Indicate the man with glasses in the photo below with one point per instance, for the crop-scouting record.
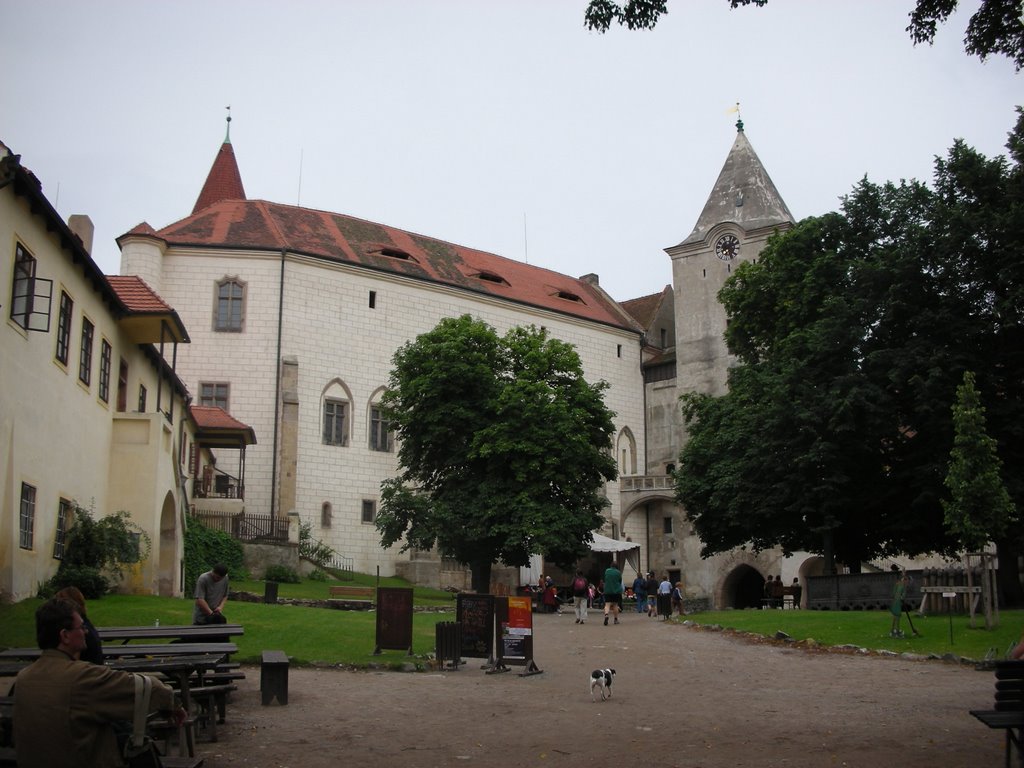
(64, 709)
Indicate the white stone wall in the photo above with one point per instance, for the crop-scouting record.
(333, 333)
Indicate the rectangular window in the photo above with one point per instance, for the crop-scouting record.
(63, 519)
(369, 511)
(85, 359)
(334, 422)
(214, 393)
(373, 299)
(64, 328)
(105, 355)
(380, 430)
(230, 305)
(666, 524)
(122, 386)
(27, 521)
(142, 398)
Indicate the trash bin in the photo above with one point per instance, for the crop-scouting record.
(270, 592)
(448, 643)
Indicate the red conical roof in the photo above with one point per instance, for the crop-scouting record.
(224, 181)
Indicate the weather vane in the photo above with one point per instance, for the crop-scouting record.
(227, 138)
(739, 118)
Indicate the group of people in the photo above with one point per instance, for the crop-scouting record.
(647, 589)
(96, 702)
(775, 592)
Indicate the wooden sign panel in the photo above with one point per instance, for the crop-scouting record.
(476, 615)
(394, 619)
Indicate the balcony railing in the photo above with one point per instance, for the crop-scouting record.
(245, 526)
(637, 483)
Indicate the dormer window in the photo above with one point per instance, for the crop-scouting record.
(569, 297)
(491, 277)
(392, 252)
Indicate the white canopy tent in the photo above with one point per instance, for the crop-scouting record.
(630, 549)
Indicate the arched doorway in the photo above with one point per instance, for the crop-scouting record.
(167, 551)
(743, 588)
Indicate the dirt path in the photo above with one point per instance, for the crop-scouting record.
(682, 697)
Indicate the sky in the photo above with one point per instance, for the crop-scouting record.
(502, 125)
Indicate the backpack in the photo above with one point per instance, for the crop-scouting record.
(579, 585)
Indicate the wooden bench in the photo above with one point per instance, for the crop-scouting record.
(212, 702)
(274, 677)
(1008, 711)
(359, 597)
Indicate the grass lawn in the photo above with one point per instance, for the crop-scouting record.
(315, 635)
(870, 629)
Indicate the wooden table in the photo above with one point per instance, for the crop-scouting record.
(124, 651)
(188, 632)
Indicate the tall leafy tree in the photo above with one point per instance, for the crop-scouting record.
(504, 447)
(852, 332)
(995, 28)
(979, 508)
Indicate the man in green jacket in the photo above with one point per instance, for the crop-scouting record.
(64, 708)
(612, 593)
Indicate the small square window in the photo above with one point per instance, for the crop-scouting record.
(215, 394)
(369, 511)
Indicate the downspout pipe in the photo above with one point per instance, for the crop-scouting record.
(277, 388)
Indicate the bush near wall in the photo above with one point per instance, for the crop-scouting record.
(204, 548)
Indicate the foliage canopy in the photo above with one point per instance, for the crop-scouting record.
(852, 332)
(995, 28)
(504, 447)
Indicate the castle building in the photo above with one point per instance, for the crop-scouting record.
(293, 317)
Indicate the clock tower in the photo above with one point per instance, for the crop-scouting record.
(742, 211)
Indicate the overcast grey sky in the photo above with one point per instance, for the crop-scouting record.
(503, 125)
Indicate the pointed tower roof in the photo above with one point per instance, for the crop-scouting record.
(224, 182)
(744, 194)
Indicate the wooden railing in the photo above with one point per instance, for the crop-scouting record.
(245, 526)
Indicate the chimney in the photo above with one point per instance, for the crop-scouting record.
(590, 279)
(82, 226)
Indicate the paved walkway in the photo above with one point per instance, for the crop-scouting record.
(682, 697)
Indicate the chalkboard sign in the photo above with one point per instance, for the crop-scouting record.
(476, 615)
(394, 619)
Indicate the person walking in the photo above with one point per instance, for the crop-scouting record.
(652, 594)
(580, 596)
(640, 592)
(612, 593)
(899, 593)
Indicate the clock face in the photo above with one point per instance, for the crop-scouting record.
(727, 247)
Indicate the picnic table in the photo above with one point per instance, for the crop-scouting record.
(180, 632)
(124, 651)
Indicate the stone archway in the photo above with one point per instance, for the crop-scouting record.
(743, 587)
(167, 550)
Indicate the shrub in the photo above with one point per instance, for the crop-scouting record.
(87, 578)
(281, 573)
(319, 575)
(204, 548)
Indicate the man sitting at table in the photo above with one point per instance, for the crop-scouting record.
(64, 709)
(211, 596)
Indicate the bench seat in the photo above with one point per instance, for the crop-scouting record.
(212, 702)
(1008, 711)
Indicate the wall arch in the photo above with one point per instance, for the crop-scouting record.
(166, 550)
(625, 452)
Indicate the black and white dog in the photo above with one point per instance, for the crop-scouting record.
(601, 679)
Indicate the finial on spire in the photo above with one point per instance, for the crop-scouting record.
(739, 119)
(227, 138)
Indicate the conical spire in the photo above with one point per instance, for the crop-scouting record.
(224, 182)
(744, 194)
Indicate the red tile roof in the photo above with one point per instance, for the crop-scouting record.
(645, 308)
(224, 182)
(136, 295)
(261, 225)
(214, 417)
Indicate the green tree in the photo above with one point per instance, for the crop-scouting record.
(852, 332)
(979, 508)
(995, 28)
(504, 447)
